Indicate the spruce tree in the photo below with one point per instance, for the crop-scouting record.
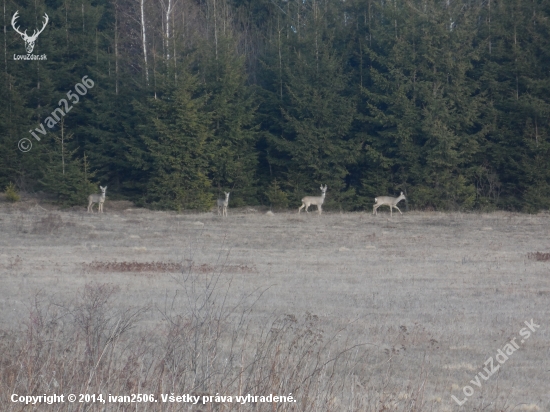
(314, 146)
(231, 104)
(177, 151)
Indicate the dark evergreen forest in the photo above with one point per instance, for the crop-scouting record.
(445, 100)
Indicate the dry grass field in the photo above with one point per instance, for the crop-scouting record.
(348, 312)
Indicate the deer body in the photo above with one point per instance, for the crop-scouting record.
(29, 40)
(223, 203)
(314, 200)
(387, 200)
(97, 198)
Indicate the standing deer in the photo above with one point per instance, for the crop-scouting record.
(314, 200)
(97, 198)
(29, 40)
(387, 200)
(223, 203)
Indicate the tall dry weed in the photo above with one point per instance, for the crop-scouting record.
(91, 345)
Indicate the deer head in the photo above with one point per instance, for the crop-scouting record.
(29, 40)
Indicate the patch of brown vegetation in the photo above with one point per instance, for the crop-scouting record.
(204, 268)
(163, 267)
(539, 256)
(99, 266)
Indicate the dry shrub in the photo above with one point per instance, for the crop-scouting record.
(48, 224)
(539, 256)
(90, 346)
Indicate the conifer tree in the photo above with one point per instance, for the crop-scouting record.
(177, 151)
(315, 146)
(232, 143)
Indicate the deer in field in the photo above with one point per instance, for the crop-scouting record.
(314, 200)
(223, 203)
(387, 200)
(97, 198)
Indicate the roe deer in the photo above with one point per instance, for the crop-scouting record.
(223, 204)
(387, 200)
(314, 200)
(97, 198)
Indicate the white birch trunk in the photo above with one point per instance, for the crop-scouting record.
(5, 44)
(116, 48)
(144, 40)
(167, 35)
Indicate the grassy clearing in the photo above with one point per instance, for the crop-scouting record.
(345, 311)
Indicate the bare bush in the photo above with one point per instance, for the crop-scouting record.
(48, 224)
(88, 346)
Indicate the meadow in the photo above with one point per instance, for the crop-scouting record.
(344, 311)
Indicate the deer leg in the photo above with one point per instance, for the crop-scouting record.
(398, 209)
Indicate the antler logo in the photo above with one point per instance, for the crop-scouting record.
(29, 40)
